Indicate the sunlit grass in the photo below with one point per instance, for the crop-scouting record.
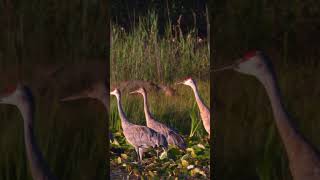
(143, 54)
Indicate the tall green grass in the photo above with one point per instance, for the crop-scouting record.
(179, 112)
(195, 121)
(142, 53)
(70, 135)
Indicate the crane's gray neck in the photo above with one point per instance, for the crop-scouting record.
(146, 107)
(27, 111)
(124, 121)
(291, 138)
(39, 168)
(199, 101)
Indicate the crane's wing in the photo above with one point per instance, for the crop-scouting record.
(176, 139)
(159, 127)
(172, 136)
(141, 136)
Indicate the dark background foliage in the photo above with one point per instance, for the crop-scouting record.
(288, 27)
(36, 36)
(48, 31)
(127, 12)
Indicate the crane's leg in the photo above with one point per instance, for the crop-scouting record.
(164, 149)
(141, 153)
(138, 155)
(157, 153)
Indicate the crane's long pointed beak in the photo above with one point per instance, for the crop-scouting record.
(2, 98)
(232, 66)
(74, 97)
(133, 92)
(177, 83)
(224, 68)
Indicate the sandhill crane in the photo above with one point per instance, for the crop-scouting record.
(130, 85)
(304, 159)
(140, 137)
(97, 91)
(21, 97)
(173, 137)
(204, 111)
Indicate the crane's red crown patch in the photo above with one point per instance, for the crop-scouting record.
(249, 55)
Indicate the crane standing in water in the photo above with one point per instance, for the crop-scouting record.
(173, 137)
(204, 111)
(304, 159)
(21, 97)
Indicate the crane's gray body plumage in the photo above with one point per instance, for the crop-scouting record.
(140, 137)
(172, 136)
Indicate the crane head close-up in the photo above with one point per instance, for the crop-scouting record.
(141, 90)
(115, 92)
(80, 95)
(253, 62)
(188, 81)
(16, 94)
(96, 91)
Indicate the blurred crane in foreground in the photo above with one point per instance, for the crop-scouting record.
(97, 91)
(21, 97)
(172, 136)
(204, 111)
(304, 159)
